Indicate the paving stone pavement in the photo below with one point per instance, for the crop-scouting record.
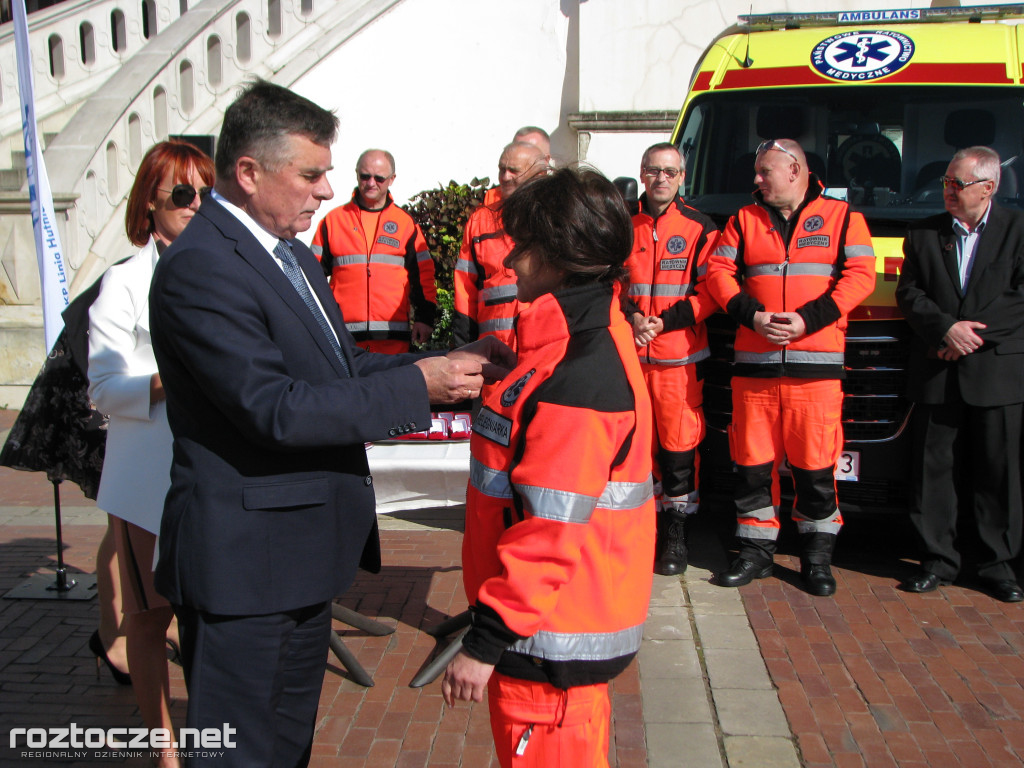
(761, 677)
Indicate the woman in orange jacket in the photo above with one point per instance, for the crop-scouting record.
(560, 513)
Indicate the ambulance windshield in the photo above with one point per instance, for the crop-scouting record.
(884, 149)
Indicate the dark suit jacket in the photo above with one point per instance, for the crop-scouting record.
(930, 298)
(271, 500)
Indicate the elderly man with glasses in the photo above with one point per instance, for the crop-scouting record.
(789, 268)
(962, 291)
(667, 304)
(377, 261)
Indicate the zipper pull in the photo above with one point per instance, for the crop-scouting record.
(654, 232)
(524, 740)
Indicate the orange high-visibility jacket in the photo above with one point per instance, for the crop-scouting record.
(667, 271)
(485, 291)
(374, 285)
(560, 522)
(826, 270)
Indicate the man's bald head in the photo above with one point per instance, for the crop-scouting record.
(531, 134)
(519, 161)
(780, 173)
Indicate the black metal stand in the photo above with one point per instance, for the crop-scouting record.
(345, 656)
(40, 587)
(436, 666)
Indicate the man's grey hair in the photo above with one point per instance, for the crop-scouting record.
(388, 155)
(662, 146)
(259, 122)
(986, 162)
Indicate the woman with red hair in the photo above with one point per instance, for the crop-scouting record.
(125, 385)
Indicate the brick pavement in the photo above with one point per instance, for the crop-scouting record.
(879, 678)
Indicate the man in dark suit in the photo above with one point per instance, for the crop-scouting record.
(271, 505)
(962, 291)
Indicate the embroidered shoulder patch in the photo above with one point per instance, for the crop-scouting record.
(510, 395)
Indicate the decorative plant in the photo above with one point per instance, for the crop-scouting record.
(441, 214)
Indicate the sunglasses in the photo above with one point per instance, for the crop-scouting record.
(959, 184)
(375, 177)
(183, 194)
(770, 144)
(654, 173)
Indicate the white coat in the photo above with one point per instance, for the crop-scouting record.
(136, 469)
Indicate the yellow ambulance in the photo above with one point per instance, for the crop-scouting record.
(880, 101)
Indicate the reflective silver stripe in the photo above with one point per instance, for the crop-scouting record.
(318, 250)
(626, 496)
(394, 261)
(817, 526)
(726, 252)
(497, 324)
(830, 524)
(639, 289)
(490, 482)
(462, 265)
(686, 504)
(499, 292)
(422, 255)
(702, 270)
(853, 251)
(763, 514)
(694, 358)
(791, 356)
(671, 290)
(799, 356)
(756, 532)
(377, 325)
(582, 646)
(762, 358)
(823, 270)
(344, 261)
(552, 504)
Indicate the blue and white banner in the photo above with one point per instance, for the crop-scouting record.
(53, 276)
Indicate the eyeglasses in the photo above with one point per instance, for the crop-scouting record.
(654, 173)
(374, 176)
(183, 194)
(765, 146)
(959, 184)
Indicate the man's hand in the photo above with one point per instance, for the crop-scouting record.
(645, 329)
(961, 339)
(421, 333)
(780, 327)
(496, 357)
(465, 679)
(461, 373)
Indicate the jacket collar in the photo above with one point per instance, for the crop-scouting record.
(566, 312)
(355, 201)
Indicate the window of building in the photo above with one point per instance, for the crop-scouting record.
(118, 36)
(186, 86)
(214, 72)
(87, 42)
(148, 18)
(56, 48)
(274, 18)
(243, 38)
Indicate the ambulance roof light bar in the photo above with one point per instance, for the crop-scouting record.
(972, 13)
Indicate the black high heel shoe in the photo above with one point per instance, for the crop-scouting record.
(96, 646)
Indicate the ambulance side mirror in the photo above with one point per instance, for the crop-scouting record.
(628, 189)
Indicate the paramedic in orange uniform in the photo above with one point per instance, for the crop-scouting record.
(789, 268)
(377, 262)
(528, 134)
(485, 289)
(667, 305)
(560, 508)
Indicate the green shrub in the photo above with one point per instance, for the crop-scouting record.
(442, 214)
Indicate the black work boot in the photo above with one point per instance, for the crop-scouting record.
(670, 549)
(815, 563)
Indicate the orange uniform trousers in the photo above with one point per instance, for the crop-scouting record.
(569, 727)
(796, 419)
(677, 398)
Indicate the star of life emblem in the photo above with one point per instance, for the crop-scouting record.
(510, 395)
(390, 227)
(862, 56)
